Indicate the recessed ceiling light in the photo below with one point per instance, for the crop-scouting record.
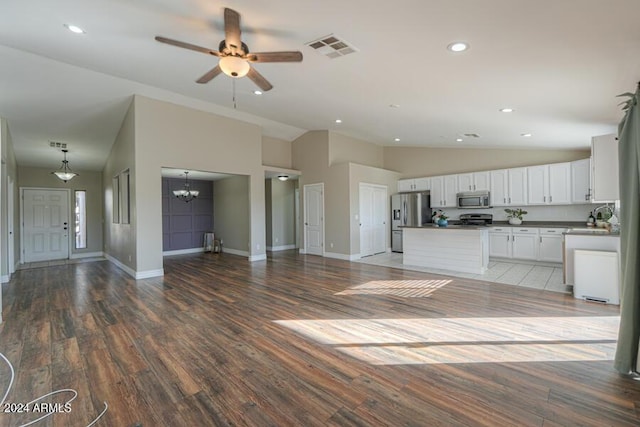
(526, 135)
(458, 139)
(397, 139)
(338, 121)
(458, 46)
(257, 92)
(507, 110)
(74, 29)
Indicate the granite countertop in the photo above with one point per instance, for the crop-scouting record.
(451, 227)
(592, 232)
(543, 224)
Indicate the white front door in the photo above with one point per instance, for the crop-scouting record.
(314, 219)
(46, 224)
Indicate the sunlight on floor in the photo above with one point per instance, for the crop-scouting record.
(466, 340)
(402, 288)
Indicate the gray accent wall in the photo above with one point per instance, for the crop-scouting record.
(184, 224)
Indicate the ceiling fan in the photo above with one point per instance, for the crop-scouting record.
(235, 58)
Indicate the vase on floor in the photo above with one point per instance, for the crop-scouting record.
(443, 223)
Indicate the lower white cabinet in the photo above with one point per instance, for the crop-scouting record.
(550, 242)
(525, 243)
(500, 242)
(529, 243)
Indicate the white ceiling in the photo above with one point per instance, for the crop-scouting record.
(558, 63)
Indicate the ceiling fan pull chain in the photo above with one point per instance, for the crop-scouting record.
(234, 94)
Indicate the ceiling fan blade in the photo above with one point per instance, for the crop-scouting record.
(292, 56)
(209, 75)
(232, 31)
(188, 46)
(259, 80)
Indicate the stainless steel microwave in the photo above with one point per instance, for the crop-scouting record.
(473, 200)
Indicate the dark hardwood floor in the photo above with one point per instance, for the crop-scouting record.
(306, 341)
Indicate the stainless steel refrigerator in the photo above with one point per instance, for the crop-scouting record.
(408, 210)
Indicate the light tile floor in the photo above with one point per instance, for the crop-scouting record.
(537, 275)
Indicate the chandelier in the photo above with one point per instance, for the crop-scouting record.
(186, 194)
(65, 173)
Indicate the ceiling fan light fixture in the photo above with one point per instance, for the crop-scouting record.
(234, 66)
(283, 177)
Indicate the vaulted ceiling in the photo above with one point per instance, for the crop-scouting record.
(558, 63)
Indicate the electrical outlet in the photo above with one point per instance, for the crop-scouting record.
(258, 246)
(277, 240)
(331, 245)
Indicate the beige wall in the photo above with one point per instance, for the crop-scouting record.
(413, 162)
(344, 149)
(170, 135)
(231, 219)
(120, 240)
(9, 175)
(91, 182)
(276, 152)
(341, 185)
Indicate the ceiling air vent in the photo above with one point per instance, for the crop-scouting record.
(472, 135)
(60, 145)
(332, 46)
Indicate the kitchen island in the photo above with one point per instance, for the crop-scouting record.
(455, 248)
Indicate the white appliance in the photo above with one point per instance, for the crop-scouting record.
(473, 200)
(408, 210)
(596, 275)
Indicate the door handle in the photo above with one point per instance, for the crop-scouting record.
(64, 228)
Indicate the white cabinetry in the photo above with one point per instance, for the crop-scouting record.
(517, 186)
(500, 242)
(550, 242)
(476, 181)
(443, 191)
(416, 184)
(544, 244)
(525, 243)
(499, 190)
(508, 187)
(604, 154)
(549, 184)
(581, 181)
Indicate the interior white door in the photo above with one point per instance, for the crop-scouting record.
(10, 217)
(314, 219)
(380, 214)
(46, 224)
(373, 219)
(366, 221)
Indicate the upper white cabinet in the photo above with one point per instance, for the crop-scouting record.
(475, 181)
(444, 190)
(414, 184)
(508, 187)
(549, 184)
(517, 186)
(581, 181)
(604, 174)
(499, 190)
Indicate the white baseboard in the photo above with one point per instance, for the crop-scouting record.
(345, 257)
(280, 248)
(302, 251)
(235, 252)
(5, 278)
(131, 272)
(183, 251)
(253, 258)
(86, 255)
(149, 273)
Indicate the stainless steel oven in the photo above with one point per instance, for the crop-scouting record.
(473, 200)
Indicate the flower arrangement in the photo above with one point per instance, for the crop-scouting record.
(515, 213)
(438, 215)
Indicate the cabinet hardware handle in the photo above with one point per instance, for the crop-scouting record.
(544, 199)
(540, 239)
(507, 237)
(509, 200)
(550, 199)
(505, 200)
